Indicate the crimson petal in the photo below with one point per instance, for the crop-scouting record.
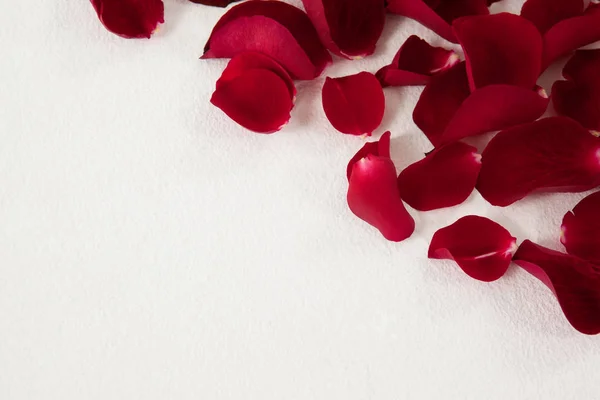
(581, 229)
(584, 66)
(575, 283)
(481, 247)
(215, 3)
(553, 154)
(544, 14)
(277, 29)
(415, 62)
(579, 101)
(380, 148)
(444, 178)
(130, 18)
(354, 104)
(349, 28)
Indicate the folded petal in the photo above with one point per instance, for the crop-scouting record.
(579, 101)
(544, 14)
(584, 67)
(415, 62)
(354, 104)
(380, 148)
(277, 29)
(575, 283)
(581, 229)
(500, 49)
(130, 18)
(553, 154)
(481, 247)
(444, 178)
(349, 28)
(215, 3)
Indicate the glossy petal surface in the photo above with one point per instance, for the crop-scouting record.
(130, 18)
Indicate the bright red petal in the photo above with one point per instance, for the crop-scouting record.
(581, 229)
(500, 49)
(553, 154)
(380, 148)
(275, 28)
(130, 18)
(354, 104)
(481, 248)
(575, 282)
(580, 101)
(444, 178)
(544, 14)
(584, 67)
(215, 3)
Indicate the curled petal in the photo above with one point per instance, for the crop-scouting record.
(380, 148)
(544, 14)
(444, 178)
(354, 104)
(481, 247)
(553, 154)
(349, 28)
(500, 49)
(277, 29)
(581, 229)
(579, 101)
(584, 67)
(415, 63)
(575, 283)
(215, 3)
(130, 18)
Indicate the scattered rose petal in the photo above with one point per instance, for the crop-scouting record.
(215, 3)
(349, 28)
(554, 154)
(277, 29)
(481, 247)
(444, 178)
(544, 14)
(500, 49)
(581, 229)
(130, 18)
(575, 283)
(584, 67)
(415, 63)
(380, 148)
(354, 104)
(579, 101)
(373, 193)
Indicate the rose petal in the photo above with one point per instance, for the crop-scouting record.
(380, 148)
(500, 49)
(584, 67)
(349, 28)
(373, 193)
(130, 18)
(415, 62)
(277, 29)
(544, 14)
(215, 3)
(581, 229)
(579, 101)
(354, 104)
(444, 178)
(257, 99)
(575, 283)
(481, 247)
(553, 154)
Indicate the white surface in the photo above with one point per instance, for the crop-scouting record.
(152, 249)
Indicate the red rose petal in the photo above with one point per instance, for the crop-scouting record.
(500, 49)
(481, 247)
(581, 229)
(544, 14)
(380, 148)
(215, 3)
(277, 29)
(553, 154)
(575, 283)
(349, 28)
(373, 193)
(354, 104)
(130, 18)
(584, 66)
(444, 178)
(579, 101)
(415, 63)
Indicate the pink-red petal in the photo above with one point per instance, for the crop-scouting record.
(354, 104)
(553, 155)
(481, 247)
(575, 283)
(130, 18)
(444, 178)
(584, 67)
(579, 101)
(581, 229)
(544, 14)
(380, 148)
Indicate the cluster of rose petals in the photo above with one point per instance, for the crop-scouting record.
(130, 18)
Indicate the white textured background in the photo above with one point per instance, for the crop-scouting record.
(152, 249)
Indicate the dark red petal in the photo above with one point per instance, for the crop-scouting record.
(349, 28)
(579, 101)
(444, 178)
(130, 18)
(354, 104)
(500, 49)
(571, 34)
(544, 14)
(257, 99)
(415, 63)
(380, 148)
(584, 67)
(216, 3)
(490, 2)
(553, 154)
(275, 28)
(481, 248)
(575, 283)
(581, 229)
